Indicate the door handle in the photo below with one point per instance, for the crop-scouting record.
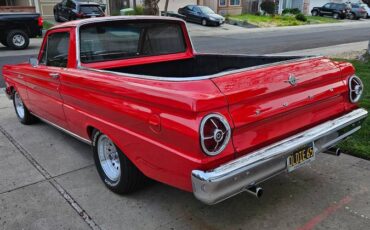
(54, 75)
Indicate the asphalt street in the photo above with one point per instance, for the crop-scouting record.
(251, 41)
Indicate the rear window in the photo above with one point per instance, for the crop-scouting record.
(122, 40)
(86, 9)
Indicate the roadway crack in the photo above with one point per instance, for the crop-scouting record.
(62, 191)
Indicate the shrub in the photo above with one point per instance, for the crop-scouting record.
(294, 11)
(139, 10)
(301, 17)
(286, 11)
(258, 13)
(268, 7)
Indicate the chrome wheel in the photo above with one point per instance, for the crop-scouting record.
(109, 158)
(19, 40)
(19, 107)
(204, 22)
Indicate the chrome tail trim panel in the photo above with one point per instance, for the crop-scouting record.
(234, 177)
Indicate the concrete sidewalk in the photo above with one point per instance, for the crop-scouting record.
(48, 181)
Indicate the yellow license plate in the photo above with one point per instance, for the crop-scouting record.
(301, 157)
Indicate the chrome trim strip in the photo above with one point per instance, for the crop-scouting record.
(177, 79)
(234, 177)
(86, 141)
(149, 77)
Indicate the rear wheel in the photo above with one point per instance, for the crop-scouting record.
(204, 22)
(17, 39)
(23, 114)
(352, 16)
(118, 173)
(315, 13)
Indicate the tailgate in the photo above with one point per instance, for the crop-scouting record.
(271, 103)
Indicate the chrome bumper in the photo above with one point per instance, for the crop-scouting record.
(240, 174)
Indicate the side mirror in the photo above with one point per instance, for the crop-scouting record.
(34, 62)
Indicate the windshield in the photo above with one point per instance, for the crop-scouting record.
(206, 10)
(121, 40)
(88, 9)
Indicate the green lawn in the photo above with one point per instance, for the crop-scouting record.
(280, 20)
(359, 143)
(47, 25)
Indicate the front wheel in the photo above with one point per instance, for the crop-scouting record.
(4, 42)
(118, 173)
(17, 39)
(336, 16)
(23, 114)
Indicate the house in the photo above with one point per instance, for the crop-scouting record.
(45, 7)
(114, 6)
(224, 7)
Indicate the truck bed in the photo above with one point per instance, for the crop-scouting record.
(201, 65)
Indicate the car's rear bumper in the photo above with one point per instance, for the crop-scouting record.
(240, 174)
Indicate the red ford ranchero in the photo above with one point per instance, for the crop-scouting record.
(150, 106)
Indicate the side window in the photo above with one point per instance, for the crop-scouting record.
(190, 8)
(64, 2)
(55, 52)
(327, 5)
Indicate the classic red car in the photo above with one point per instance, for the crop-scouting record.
(212, 124)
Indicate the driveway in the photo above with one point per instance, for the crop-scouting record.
(48, 181)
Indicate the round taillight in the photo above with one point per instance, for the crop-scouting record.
(356, 88)
(215, 134)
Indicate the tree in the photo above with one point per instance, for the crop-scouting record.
(151, 7)
(268, 6)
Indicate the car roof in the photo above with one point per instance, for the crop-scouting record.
(77, 23)
(87, 3)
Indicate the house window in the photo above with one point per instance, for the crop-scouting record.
(234, 2)
(222, 2)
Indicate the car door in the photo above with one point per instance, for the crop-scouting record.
(198, 16)
(44, 80)
(326, 9)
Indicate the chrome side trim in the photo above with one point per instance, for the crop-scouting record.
(177, 79)
(86, 141)
(238, 175)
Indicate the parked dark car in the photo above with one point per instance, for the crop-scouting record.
(201, 14)
(69, 10)
(357, 12)
(335, 10)
(16, 29)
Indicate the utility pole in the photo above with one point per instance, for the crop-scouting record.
(166, 7)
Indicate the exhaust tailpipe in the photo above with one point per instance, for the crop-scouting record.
(334, 151)
(255, 191)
